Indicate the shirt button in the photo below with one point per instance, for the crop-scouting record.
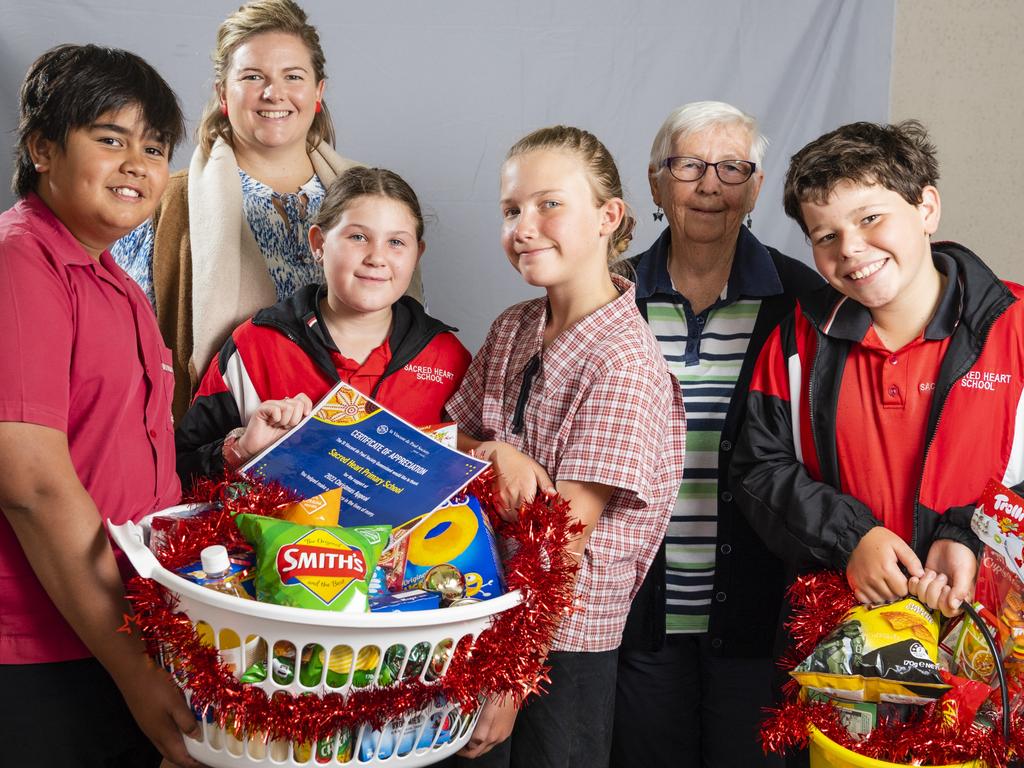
(720, 597)
(152, 433)
(894, 391)
(725, 549)
(726, 445)
(716, 642)
(894, 359)
(726, 496)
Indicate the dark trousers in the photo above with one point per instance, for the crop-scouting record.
(68, 713)
(570, 726)
(681, 707)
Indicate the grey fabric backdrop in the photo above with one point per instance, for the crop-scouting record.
(438, 90)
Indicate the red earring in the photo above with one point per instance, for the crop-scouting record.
(224, 109)
(319, 107)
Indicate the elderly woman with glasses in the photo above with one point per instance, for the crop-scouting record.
(695, 666)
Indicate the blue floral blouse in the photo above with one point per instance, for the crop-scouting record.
(279, 222)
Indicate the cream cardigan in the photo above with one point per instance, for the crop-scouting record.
(230, 280)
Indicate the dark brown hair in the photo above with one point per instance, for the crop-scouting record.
(366, 182)
(601, 171)
(248, 21)
(70, 86)
(898, 157)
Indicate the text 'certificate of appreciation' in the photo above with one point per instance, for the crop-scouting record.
(388, 470)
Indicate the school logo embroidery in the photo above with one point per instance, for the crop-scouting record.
(430, 373)
(987, 380)
(321, 563)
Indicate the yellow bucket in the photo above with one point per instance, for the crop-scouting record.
(825, 753)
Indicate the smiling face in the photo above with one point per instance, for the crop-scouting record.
(707, 211)
(873, 246)
(553, 230)
(271, 92)
(368, 255)
(105, 180)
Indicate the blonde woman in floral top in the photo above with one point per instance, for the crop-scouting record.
(229, 236)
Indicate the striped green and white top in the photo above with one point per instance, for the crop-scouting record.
(705, 353)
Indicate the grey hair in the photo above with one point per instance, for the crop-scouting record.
(699, 116)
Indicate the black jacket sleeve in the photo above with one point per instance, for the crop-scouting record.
(199, 438)
(802, 520)
(955, 524)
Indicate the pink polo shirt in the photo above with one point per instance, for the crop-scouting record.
(80, 351)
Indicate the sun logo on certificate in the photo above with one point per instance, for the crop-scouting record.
(345, 408)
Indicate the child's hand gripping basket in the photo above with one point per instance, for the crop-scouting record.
(330, 654)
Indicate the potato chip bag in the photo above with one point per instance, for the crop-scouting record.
(878, 654)
(309, 566)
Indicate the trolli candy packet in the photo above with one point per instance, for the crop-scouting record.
(308, 566)
(999, 522)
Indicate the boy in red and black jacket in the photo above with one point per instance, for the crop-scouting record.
(882, 406)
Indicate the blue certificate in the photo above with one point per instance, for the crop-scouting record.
(389, 471)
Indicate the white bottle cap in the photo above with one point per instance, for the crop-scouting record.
(215, 559)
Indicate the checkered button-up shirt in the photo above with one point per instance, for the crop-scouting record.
(601, 408)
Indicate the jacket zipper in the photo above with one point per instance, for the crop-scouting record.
(295, 340)
(810, 396)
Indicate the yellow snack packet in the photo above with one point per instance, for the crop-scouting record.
(888, 653)
(318, 510)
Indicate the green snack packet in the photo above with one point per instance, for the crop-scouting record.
(307, 566)
(257, 673)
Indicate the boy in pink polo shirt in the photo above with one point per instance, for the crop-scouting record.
(85, 428)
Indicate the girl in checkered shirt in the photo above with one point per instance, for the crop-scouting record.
(570, 394)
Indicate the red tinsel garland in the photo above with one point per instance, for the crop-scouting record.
(819, 602)
(183, 538)
(507, 658)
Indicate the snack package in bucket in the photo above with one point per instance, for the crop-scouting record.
(307, 566)
(410, 600)
(963, 649)
(999, 522)
(323, 509)
(888, 653)
(456, 534)
(311, 666)
(858, 717)
(383, 744)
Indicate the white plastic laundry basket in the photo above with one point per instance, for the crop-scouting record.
(416, 643)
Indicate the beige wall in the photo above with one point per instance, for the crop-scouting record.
(958, 66)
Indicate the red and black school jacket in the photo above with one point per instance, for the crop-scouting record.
(786, 468)
(285, 349)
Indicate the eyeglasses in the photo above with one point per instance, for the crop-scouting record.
(693, 168)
